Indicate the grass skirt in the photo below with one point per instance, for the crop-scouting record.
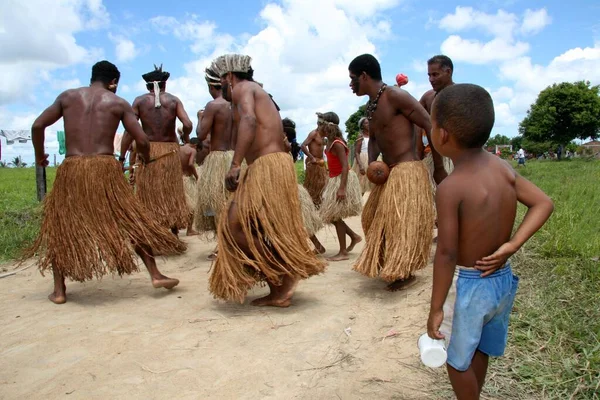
(190, 185)
(365, 184)
(310, 215)
(159, 186)
(398, 224)
(315, 179)
(92, 221)
(269, 216)
(211, 193)
(332, 210)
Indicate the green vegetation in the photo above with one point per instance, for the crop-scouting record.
(19, 209)
(554, 340)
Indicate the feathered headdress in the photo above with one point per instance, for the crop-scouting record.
(155, 77)
(231, 63)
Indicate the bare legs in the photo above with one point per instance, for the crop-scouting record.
(190, 226)
(158, 279)
(342, 230)
(59, 296)
(467, 385)
(319, 248)
(280, 296)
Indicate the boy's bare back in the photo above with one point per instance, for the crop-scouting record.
(481, 194)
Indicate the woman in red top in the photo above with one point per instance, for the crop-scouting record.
(342, 196)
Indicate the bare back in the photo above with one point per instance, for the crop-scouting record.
(218, 121)
(392, 129)
(484, 189)
(158, 123)
(187, 156)
(91, 118)
(255, 111)
(427, 100)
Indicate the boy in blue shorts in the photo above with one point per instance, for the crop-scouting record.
(473, 285)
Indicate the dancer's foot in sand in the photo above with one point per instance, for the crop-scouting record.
(212, 256)
(59, 296)
(341, 256)
(175, 231)
(280, 296)
(164, 282)
(354, 241)
(401, 284)
(191, 232)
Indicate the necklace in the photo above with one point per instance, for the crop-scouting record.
(372, 105)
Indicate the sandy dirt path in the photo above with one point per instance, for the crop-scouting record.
(122, 339)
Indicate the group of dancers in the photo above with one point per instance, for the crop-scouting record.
(246, 193)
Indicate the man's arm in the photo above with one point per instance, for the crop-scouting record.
(444, 263)
(133, 128)
(136, 107)
(304, 145)
(373, 148)
(416, 113)
(185, 120)
(357, 149)
(540, 207)
(244, 102)
(205, 122)
(49, 116)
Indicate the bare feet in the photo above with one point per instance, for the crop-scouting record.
(355, 240)
(341, 256)
(401, 284)
(320, 249)
(271, 301)
(191, 232)
(280, 296)
(212, 256)
(164, 282)
(58, 298)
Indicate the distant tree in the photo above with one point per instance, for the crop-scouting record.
(537, 148)
(497, 140)
(563, 112)
(17, 162)
(3, 164)
(516, 142)
(352, 123)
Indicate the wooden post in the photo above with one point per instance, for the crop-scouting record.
(40, 182)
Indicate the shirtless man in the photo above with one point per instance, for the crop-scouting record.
(262, 236)
(316, 176)
(439, 70)
(160, 185)
(187, 156)
(398, 217)
(86, 232)
(214, 120)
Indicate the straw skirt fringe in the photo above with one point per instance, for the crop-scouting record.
(310, 215)
(315, 179)
(190, 185)
(268, 215)
(211, 194)
(92, 222)
(398, 223)
(332, 210)
(159, 186)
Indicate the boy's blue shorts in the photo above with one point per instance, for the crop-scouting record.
(476, 314)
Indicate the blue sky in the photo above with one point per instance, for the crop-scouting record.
(300, 50)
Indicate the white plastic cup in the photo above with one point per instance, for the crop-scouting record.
(433, 351)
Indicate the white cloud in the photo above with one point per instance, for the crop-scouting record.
(301, 56)
(501, 24)
(125, 49)
(64, 84)
(476, 52)
(502, 93)
(535, 21)
(37, 38)
(419, 66)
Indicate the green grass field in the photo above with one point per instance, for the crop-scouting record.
(554, 340)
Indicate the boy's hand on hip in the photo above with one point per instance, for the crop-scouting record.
(490, 264)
